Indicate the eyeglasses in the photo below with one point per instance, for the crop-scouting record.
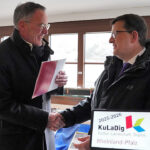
(42, 26)
(114, 34)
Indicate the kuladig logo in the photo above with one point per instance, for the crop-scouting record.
(137, 124)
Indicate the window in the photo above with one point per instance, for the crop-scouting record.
(92, 71)
(88, 49)
(65, 46)
(97, 47)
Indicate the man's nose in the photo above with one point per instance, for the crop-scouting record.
(45, 31)
(111, 40)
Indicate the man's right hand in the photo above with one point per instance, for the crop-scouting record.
(84, 143)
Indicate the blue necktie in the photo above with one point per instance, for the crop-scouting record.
(125, 66)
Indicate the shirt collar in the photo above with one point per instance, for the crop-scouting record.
(31, 45)
(133, 59)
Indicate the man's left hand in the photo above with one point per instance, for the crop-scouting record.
(61, 79)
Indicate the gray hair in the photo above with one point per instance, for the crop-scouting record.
(25, 11)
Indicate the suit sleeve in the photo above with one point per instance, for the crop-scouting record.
(79, 113)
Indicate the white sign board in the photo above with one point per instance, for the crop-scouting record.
(120, 130)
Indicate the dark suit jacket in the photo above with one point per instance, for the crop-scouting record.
(22, 121)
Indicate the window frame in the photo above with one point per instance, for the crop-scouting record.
(81, 27)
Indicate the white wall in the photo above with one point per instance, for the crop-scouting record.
(145, 11)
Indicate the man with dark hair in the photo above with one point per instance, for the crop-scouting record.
(134, 22)
(25, 122)
(118, 87)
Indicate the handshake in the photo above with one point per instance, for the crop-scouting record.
(55, 121)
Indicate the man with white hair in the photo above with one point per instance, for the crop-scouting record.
(24, 122)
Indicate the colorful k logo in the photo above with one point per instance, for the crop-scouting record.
(136, 126)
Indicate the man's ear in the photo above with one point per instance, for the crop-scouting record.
(21, 25)
(135, 36)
